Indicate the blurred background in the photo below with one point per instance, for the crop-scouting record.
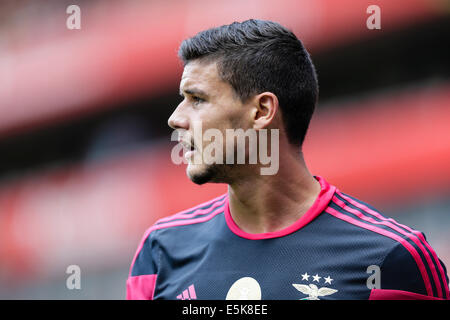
(85, 163)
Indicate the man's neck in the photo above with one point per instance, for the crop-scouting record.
(260, 204)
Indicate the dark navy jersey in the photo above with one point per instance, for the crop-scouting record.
(341, 248)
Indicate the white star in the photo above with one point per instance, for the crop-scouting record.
(328, 280)
(316, 277)
(305, 276)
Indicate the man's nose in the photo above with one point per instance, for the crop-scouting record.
(178, 120)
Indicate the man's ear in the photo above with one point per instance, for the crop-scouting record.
(266, 107)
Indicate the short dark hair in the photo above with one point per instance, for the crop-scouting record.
(256, 56)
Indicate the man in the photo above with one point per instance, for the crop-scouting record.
(286, 235)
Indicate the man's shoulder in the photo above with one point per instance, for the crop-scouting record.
(198, 214)
(181, 222)
(408, 260)
(361, 215)
(367, 225)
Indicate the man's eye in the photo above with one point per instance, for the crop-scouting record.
(197, 99)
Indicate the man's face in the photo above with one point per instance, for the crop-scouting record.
(211, 102)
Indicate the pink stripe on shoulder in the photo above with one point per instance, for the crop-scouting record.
(399, 230)
(141, 287)
(414, 232)
(384, 294)
(186, 215)
(172, 224)
(219, 199)
(391, 235)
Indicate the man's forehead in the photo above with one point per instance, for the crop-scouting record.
(199, 73)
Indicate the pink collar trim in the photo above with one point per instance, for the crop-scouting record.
(325, 195)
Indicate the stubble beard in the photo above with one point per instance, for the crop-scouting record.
(214, 173)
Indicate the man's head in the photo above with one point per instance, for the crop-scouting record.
(239, 76)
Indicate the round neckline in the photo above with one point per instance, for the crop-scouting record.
(321, 202)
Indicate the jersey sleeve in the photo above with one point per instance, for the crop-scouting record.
(143, 273)
(412, 274)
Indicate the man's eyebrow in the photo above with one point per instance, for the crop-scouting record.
(193, 92)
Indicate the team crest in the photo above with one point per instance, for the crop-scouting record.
(245, 288)
(312, 291)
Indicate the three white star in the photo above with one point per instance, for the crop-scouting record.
(316, 278)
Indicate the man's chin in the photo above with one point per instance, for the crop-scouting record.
(201, 174)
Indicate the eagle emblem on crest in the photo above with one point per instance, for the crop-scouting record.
(313, 291)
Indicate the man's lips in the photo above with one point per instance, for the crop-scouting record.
(187, 146)
(189, 149)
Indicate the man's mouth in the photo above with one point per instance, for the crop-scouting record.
(189, 148)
